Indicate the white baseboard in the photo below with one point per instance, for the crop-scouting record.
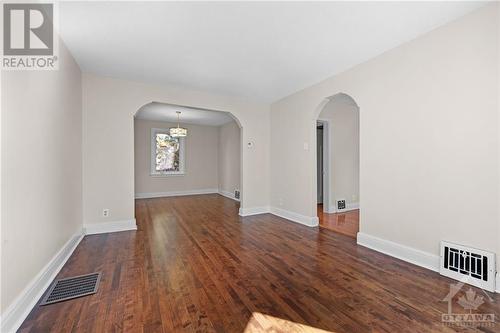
(105, 227)
(330, 209)
(295, 217)
(228, 194)
(348, 208)
(409, 254)
(291, 216)
(254, 211)
(17, 312)
(175, 193)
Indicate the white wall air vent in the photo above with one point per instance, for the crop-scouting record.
(469, 265)
(341, 205)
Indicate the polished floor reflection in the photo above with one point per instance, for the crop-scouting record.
(346, 223)
(194, 265)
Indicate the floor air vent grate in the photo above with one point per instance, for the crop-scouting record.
(73, 287)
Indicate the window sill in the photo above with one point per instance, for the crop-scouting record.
(160, 175)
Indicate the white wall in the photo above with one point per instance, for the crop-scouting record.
(498, 142)
(201, 154)
(229, 158)
(428, 138)
(108, 135)
(343, 117)
(41, 169)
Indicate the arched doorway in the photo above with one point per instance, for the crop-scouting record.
(193, 161)
(337, 164)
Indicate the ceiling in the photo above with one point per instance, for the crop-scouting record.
(260, 51)
(167, 112)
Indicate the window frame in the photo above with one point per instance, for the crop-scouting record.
(182, 148)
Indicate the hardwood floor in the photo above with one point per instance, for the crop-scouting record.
(345, 223)
(194, 265)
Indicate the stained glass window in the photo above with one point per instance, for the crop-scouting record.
(167, 153)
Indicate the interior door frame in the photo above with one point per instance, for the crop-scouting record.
(320, 173)
(328, 207)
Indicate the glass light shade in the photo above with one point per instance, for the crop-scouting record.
(177, 132)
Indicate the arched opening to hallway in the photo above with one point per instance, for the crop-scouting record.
(337, 164)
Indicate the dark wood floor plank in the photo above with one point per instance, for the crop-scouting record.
(346, 223)
(194, 265)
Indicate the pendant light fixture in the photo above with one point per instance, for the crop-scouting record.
(178, 132)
